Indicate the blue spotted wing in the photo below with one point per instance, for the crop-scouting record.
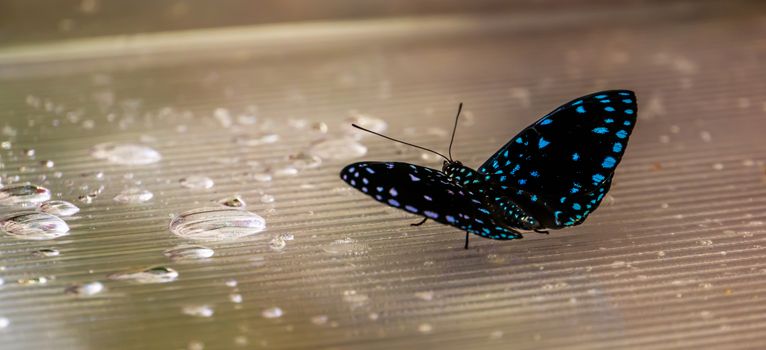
(426, 192)
(560, 167)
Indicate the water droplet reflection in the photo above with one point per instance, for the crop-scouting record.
(158, 274)
(217, 223)
(33, 225)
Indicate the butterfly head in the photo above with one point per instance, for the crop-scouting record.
(450, 166)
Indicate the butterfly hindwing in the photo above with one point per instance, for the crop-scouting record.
(567, 158)
(426, 192)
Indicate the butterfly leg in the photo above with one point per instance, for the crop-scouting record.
(466, 239)
(420, 223)
(542, 231)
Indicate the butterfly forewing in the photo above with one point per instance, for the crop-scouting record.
(569, 153)
(426, 192)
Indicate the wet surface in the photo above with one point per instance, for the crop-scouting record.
(211, 214)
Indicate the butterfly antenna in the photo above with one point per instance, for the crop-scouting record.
(454, 128)
(400, 141)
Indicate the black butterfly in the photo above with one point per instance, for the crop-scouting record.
(551, 175)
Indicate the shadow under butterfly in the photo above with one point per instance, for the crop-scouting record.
(552, 175)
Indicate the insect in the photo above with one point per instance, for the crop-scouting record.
(552, 175)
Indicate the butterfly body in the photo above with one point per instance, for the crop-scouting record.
(505, 210)
(551, 175)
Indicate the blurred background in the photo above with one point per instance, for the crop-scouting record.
(169, 174)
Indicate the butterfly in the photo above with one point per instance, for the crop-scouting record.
(551, 175)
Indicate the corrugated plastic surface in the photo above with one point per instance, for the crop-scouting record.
(675, 257)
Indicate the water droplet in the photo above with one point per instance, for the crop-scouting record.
(188, 252)
(195, 345)
(705, 242)
(256, 140)
(85, 289)
(287, 237)
(235, 298)
(47, 163)
(706, 314)
(304, 160)
(354, 298)
(133, 195)
(217, 223)
(426, 295)
(373, 316)
(33, 225)
(223, 117)
(32, 281)
(197, 182)
(23, 195)
(272, 312)
(277, 244)
(660, 253)
(46, 252)
(233, 202)
(521, 95)
(231, 283)
(261, 177)
(125, 153)
(618, 264)
(346, 246)
(320, 320)
(241, 340)
(198, 310)
(718, 166)
(267, 198)
(558, 285)
(4, 322)
(339, 149)
(320, 127)
(705, 136)
(705, 285)
(158, 274)
(425, 328)
(496, 335)
(286, 171)
(495, 258)
(59, 208)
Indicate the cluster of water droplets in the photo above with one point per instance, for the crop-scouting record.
(27, 213)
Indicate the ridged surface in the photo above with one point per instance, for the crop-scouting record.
(673, 259)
